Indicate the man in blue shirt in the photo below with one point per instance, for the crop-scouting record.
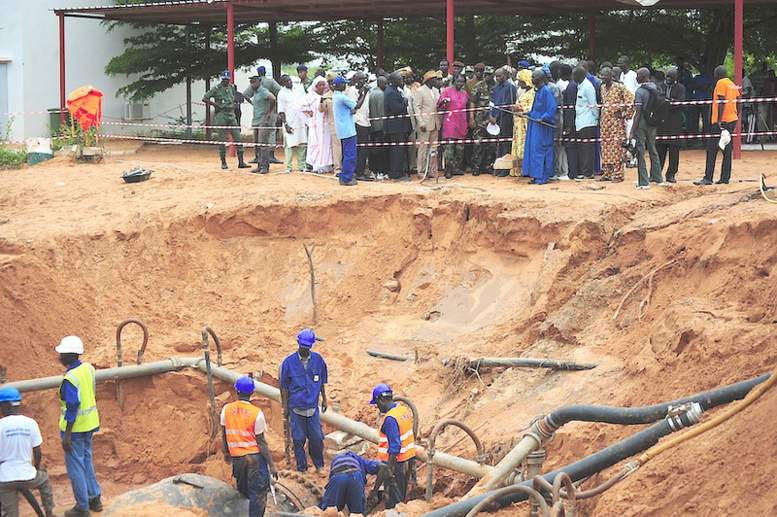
(77, 422)
(503, 99)
(347, 478)
(344, 108)
(303, 378)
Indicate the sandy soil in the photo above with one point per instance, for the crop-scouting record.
(472, 267)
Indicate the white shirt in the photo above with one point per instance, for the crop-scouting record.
(362, 115)
(18, 435)
(260, 426)
(629, 80)
(562, 85)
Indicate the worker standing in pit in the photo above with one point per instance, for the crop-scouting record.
(78, 421)
(20, 457)
(347, 478)
(396, 442)
(303, 378)
(242, 429)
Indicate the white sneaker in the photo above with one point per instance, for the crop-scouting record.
(662, 184)
(642, 187)
(565, 177)
(553, 178)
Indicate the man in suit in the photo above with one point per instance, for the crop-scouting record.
(396, 129)
(427, 122)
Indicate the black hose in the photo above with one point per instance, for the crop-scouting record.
(615, 453)
(647, 414)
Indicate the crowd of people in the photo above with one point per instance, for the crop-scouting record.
(550, 122)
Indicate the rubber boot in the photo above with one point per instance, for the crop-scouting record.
(240, 163)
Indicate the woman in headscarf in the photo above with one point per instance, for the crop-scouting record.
(319, 136)
(523, 105)
(452, 104)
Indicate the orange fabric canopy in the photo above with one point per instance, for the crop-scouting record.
(85, 105)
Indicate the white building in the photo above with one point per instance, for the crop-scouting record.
(29, 71)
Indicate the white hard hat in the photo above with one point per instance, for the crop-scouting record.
(70, 345)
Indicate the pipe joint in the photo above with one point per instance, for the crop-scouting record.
(685, 415)
(544, 427)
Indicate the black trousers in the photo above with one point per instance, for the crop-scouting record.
(573, 161)
(712, 154)
(398, 491)
(397, 153)
(379, 154)
(362, 137)
(674, 158)
(586, 151)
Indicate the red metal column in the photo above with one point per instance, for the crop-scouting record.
(62, 118)
(738, 17)
(449, 28)
(207, 85)
(231, 40)
(591, 35)
(380, 43)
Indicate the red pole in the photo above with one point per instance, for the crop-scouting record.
(738, 17)
(380, 43)
(231, 40)
(591, 35)
(62, 117)
(449, 27)
(207, 85)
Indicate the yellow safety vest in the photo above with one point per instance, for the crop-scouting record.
(87, 419)
(404, 418)
(239, 424)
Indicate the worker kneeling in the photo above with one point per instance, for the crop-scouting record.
(396, 442)
(347, 478)
(20, 456)
(243, 426)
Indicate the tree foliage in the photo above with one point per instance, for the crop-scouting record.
(704, 37)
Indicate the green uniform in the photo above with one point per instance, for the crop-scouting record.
(224, 98)
(483, 152)
(264, 128)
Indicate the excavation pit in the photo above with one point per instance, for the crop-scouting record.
(484, 267)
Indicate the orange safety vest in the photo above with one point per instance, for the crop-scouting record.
(239, 423)
(404, 418)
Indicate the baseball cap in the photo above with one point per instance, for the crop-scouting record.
(340, 80)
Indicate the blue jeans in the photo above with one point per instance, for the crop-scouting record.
(253, 480)
(348, 145)
(81, 471)
(345, 489)
(307, 429)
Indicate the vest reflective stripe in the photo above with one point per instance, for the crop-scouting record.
(404, 418)
(87, 417)
(239, 422)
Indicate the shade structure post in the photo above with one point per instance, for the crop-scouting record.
(62, 97)
(738, 22)
(231, 55)
(449, 26)
(207, 85)
(591, 34)
(380, 44)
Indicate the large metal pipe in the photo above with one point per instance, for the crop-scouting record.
(544, 428)
(341, 422)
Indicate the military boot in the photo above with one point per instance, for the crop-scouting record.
(240, 163)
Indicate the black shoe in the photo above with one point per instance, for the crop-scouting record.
(476, 173)
(77, 512)
(224, 165)
(671, 180)
(721, 182)
(448, 175)
(351, 183)
(95, 504)
(458, 173)
(243, 165)
(273, 159)
(255, 160)
(363, 178)
(703, 181)
(403, 178)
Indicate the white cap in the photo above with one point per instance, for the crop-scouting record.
(70, 345)
(350, 75)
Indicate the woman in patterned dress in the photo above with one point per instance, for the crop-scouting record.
(617, 108)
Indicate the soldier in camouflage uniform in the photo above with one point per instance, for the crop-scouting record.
(483, 153)
(223, 96)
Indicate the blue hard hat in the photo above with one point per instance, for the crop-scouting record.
(379, 390)
(226, 75)
(306, 338)
(245, 384)
(260, 69)
(10, 395)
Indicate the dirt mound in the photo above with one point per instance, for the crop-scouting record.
(669, 291)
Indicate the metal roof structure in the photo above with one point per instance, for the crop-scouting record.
(214, 12)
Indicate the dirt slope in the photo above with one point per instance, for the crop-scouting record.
(479, 267)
